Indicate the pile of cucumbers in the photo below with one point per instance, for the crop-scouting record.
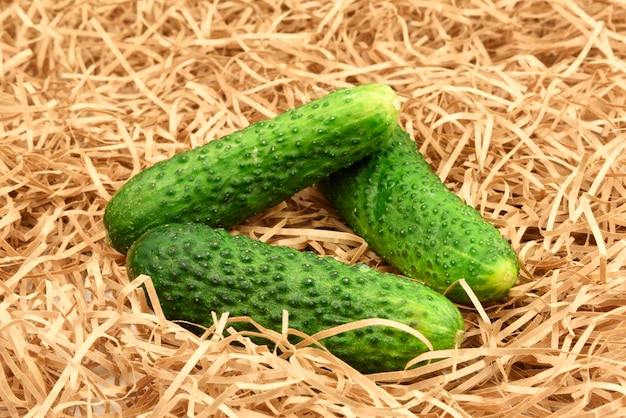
(171, 221)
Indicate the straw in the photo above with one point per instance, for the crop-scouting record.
(519, 106)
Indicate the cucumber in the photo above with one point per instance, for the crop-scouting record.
(232, 178)
(197, 269)
(394, 200)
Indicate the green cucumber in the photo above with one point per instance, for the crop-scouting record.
(232, 178)
(394, 200)
(197, 269)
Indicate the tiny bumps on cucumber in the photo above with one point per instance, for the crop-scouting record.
(241, 174)
(197, 269)
(396, 202)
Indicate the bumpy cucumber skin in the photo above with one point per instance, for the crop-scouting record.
(394, 200)
(197, 269)
(230, 179)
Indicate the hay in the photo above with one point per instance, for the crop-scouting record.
(519, 105)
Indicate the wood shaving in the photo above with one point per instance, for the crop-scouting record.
(518, 105)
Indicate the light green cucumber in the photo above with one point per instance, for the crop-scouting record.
(232, 178)
(394, 200)
(197, 269)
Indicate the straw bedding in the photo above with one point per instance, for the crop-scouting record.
(518, 105)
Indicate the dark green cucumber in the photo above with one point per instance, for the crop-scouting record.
(197, 269)
(394, 200)
(230, 179)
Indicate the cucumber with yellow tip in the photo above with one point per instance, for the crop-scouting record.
(395, 201)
